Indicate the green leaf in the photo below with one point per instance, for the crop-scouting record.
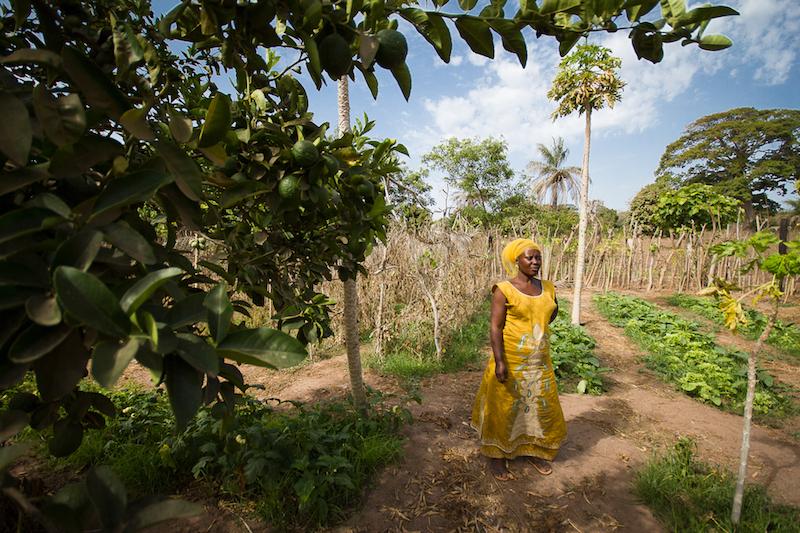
(432, 27)
(512, 38)
(262, 347)
(314, 62)
(63, 119)
(87, 299)
(184, 389)
(180, 127)
(111, 358)
(80, 250)
(135, 121)
(705, 13)
(403, 77)
(367, 48)
(130, 241)
(220, 311)
(217, 121)
(108, 496)
(36, 341)
(23, 275)
(43, 310)
(714, 42)
(241, 191)
(16, 133)
(58, 372)
(188, 311)
(145, 287)
(556, 6)
(467, 5)
(132, 188)
(198, 353)
(582, 384)
(98, 89)
(635, 9)
(52, 202)
(158, 512)
(25, 221)
(21, 177)
(67, 437)
(476, 33)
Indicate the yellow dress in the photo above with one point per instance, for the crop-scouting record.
(522, 417)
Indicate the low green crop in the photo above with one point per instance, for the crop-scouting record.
(572, 351)
(784, 336)
(683, 355)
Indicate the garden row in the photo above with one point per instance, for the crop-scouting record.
(784, 336)
(681, 354)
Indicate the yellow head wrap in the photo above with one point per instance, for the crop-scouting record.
(513, 250)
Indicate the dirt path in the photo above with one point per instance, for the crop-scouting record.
(441, 484)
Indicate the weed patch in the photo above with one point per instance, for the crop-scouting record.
(683, 355)
(690, 496)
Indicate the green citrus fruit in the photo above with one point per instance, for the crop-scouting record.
(335, 55)
(289, 186)
(392, 49)
(331, 164)
(305, 153)
(366, 189)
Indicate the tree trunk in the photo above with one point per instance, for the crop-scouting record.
(583, 214)
(350, 288)
(748, 414)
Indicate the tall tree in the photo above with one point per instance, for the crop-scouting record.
(745, 153)
(478, 170)
(587, 80)
(551, 176)
(351, 340)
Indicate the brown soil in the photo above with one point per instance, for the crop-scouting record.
(441, 484)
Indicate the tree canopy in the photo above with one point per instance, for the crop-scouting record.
(478, 169)
(745, 153)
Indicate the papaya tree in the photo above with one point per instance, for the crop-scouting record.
(117, 136)
(587, 80)
(763, 252)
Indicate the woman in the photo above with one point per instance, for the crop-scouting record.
(517, 412)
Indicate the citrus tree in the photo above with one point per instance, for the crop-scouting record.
(116, 137)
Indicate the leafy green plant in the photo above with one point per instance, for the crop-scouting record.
(303, 466)
(690, 496)
(574, 361)
(683, 355)
(785, 336)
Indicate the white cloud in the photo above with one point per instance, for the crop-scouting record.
(476, 59)
(767, 35)
(456, 60)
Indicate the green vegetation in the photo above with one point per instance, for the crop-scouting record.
(410, 352)
(785, 336)
(682, 355)
(690, 496)
(574, 362)
(300, 466)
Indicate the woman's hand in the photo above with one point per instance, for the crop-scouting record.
(500, 371)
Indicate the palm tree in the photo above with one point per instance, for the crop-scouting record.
(551, 176)
(586, 80)
(351, 340)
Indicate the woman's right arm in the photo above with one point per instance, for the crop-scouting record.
(496, 323)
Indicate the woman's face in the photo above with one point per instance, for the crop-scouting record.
(530, 261)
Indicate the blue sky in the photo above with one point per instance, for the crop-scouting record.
(475, 97)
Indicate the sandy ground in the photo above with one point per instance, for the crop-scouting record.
(441, 483)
